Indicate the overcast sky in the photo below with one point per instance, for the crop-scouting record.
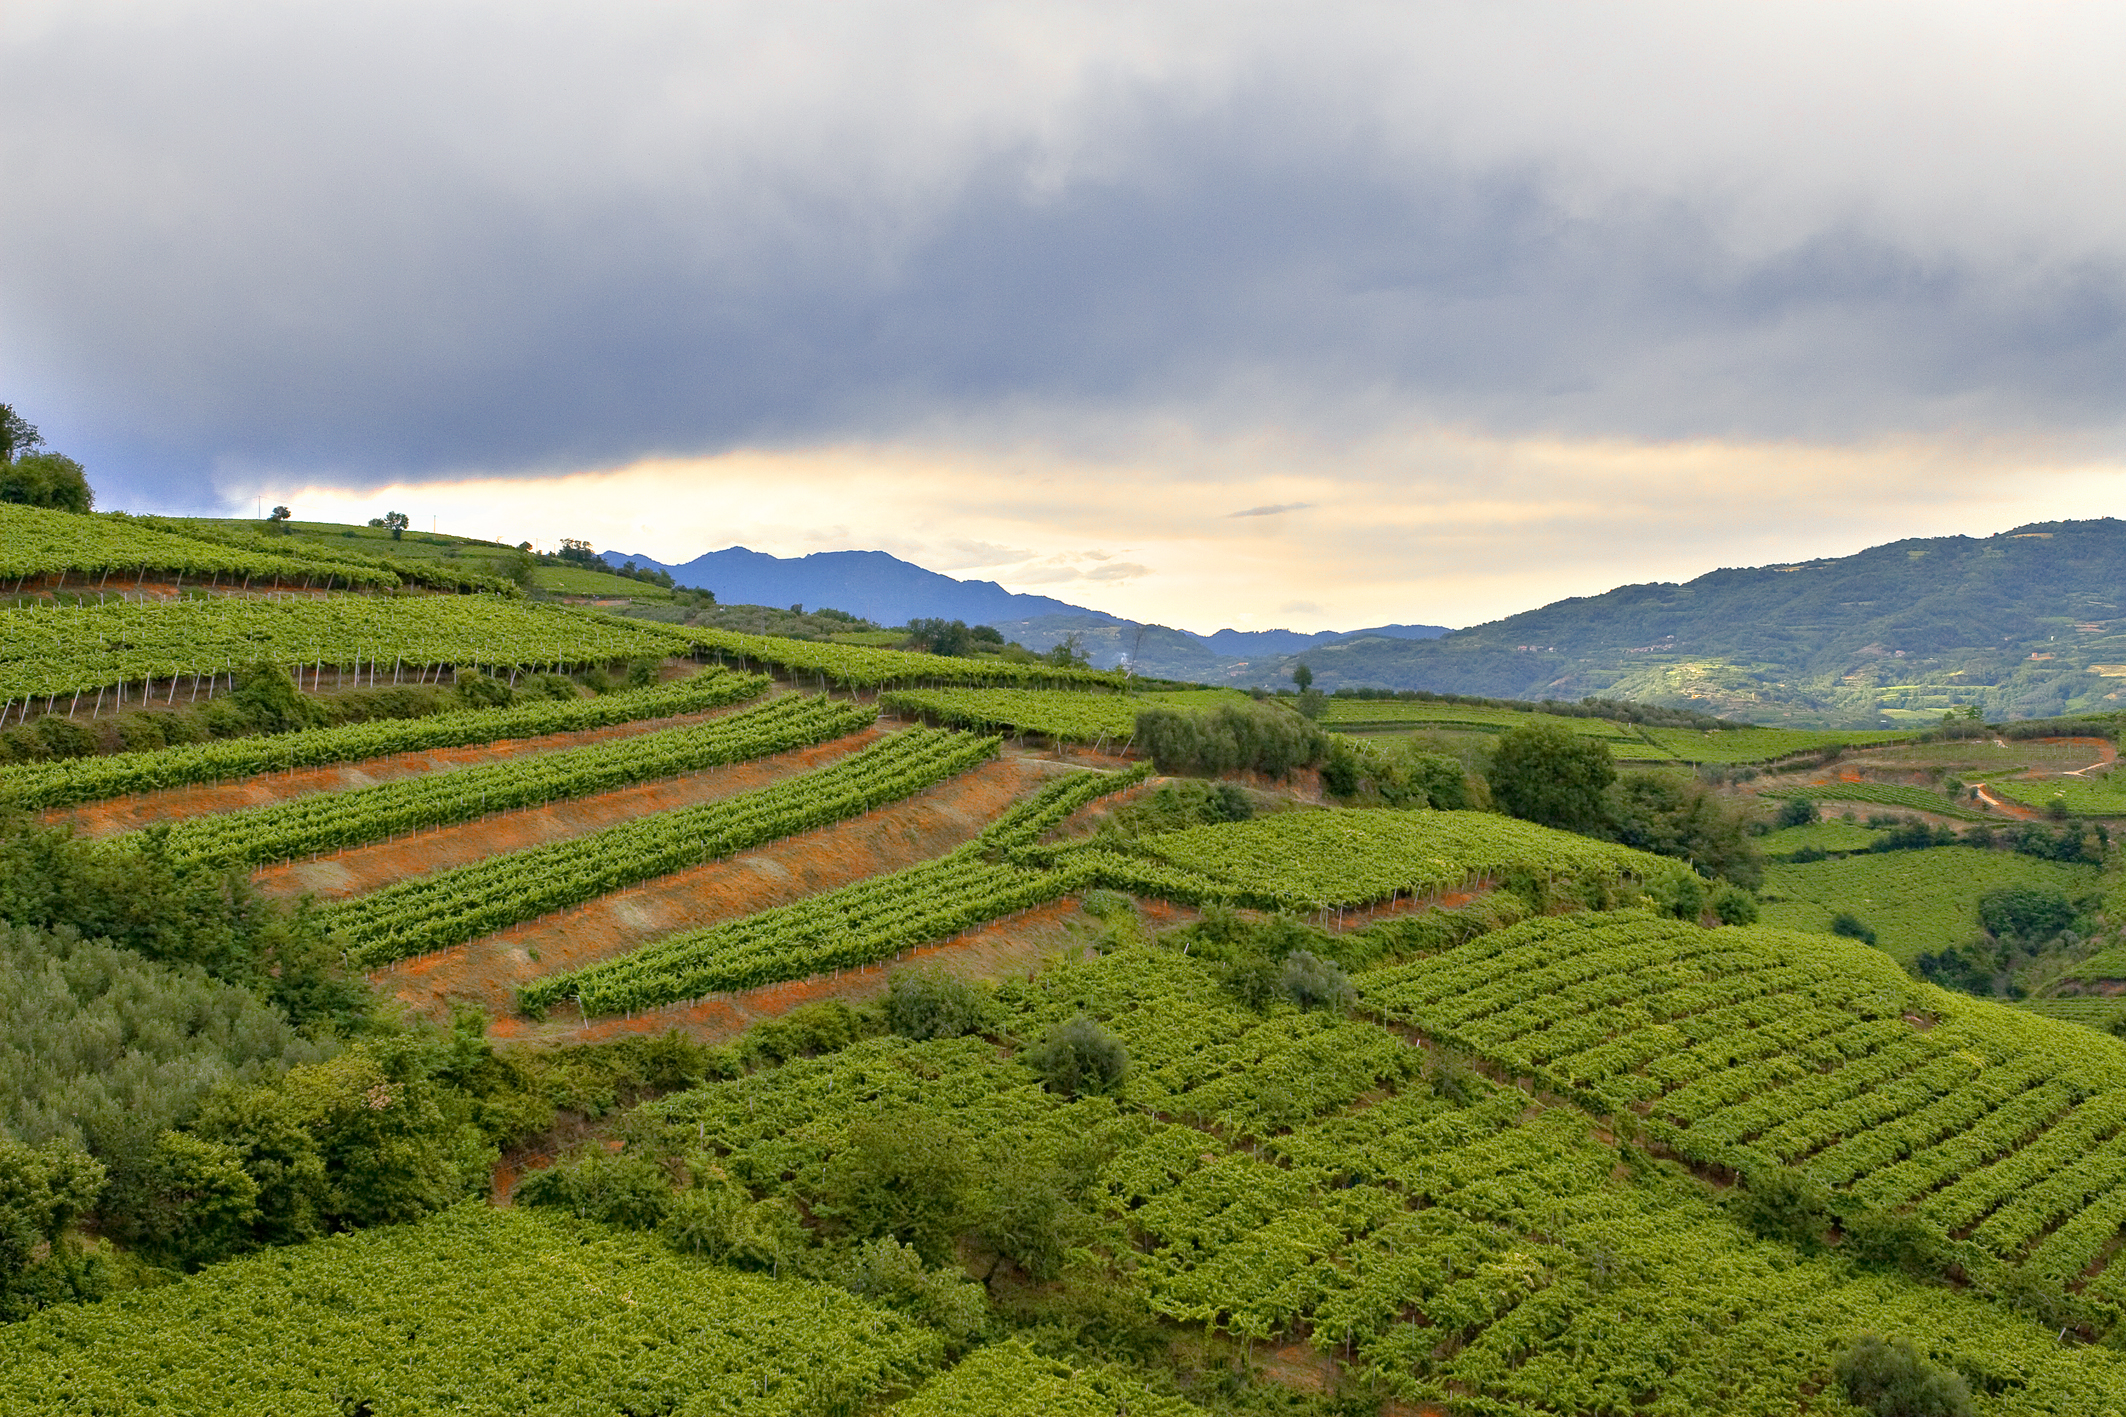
(1208, 313)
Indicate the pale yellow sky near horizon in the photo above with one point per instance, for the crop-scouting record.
(1426, 526)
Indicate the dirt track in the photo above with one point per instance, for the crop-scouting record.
(486, 972)
(127, 813)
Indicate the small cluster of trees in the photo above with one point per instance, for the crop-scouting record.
(1256, 737)
(33, 478)
(1547, 774)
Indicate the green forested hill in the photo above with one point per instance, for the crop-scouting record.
(2012, 623)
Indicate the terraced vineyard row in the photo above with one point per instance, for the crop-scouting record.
(857, 925)
(1887, 794)
(36, 542)
(861, 667)
(52, 651)
(34, 786)
(1076, 717)
(331, 821)
(450, 907)
(1751, 1048)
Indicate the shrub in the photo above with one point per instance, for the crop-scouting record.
(1798, 812)
(1846, 923)
(925, 1003)
(2026, 914)
(1314, 983)
(1079, 1056)
(1890, 1379)
(1733, 905)
(613, 1188)
(1233, 738)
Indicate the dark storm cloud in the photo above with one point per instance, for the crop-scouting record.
(302, 245)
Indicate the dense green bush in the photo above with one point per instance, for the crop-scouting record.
(613, 1188)
(1671, 814)
(929, 1003)
(1890, 1379)
(1079, 1057)
(1554, 777)
(1260, 737)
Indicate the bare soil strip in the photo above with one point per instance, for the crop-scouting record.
(368, 868)
(486, 972)
(175, 803)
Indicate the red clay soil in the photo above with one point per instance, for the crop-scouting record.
(368, 868)
(486, 972)
(175, 803)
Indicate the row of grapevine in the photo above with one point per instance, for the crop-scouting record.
(35, 786)
(1751, 1047)
(438, 573)
(92, 549)
(857, 925)
(55, 651)
(1061, 714)
(331, 821)
(1331, 859)
(433, 1317)
(861, 667)
(1762, 745)
(451, 907)
(1887, 794)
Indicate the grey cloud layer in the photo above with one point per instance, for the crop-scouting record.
(406, 241)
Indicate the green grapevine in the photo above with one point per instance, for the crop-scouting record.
(330, 821)
(450, 907)
(68, 781)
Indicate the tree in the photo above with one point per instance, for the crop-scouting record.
(1069, 653)
(923, 1004)
(17, 435)
(396, 523)
(907, 1174)
(1303, 677)
(46, 480)
(1892, 1380)
(1673, 815)
(279, 520)
(1552, 776)
(1079, 1056)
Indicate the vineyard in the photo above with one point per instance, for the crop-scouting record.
(1305, 1109)
(1884, 794)
(857, 925)
(90, 550)
(2098, 798)
(73, 780)
(1915, 901)
(1751, 1048)
(1329, 860)
(1763, 745)
(333, 821)
(428, 1318)
(1289, 1176)
(1394, 713)
(161, 652)
(860, 667)
(448, 908)
(1051, 713)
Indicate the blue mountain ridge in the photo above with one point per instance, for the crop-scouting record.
(883, 588)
